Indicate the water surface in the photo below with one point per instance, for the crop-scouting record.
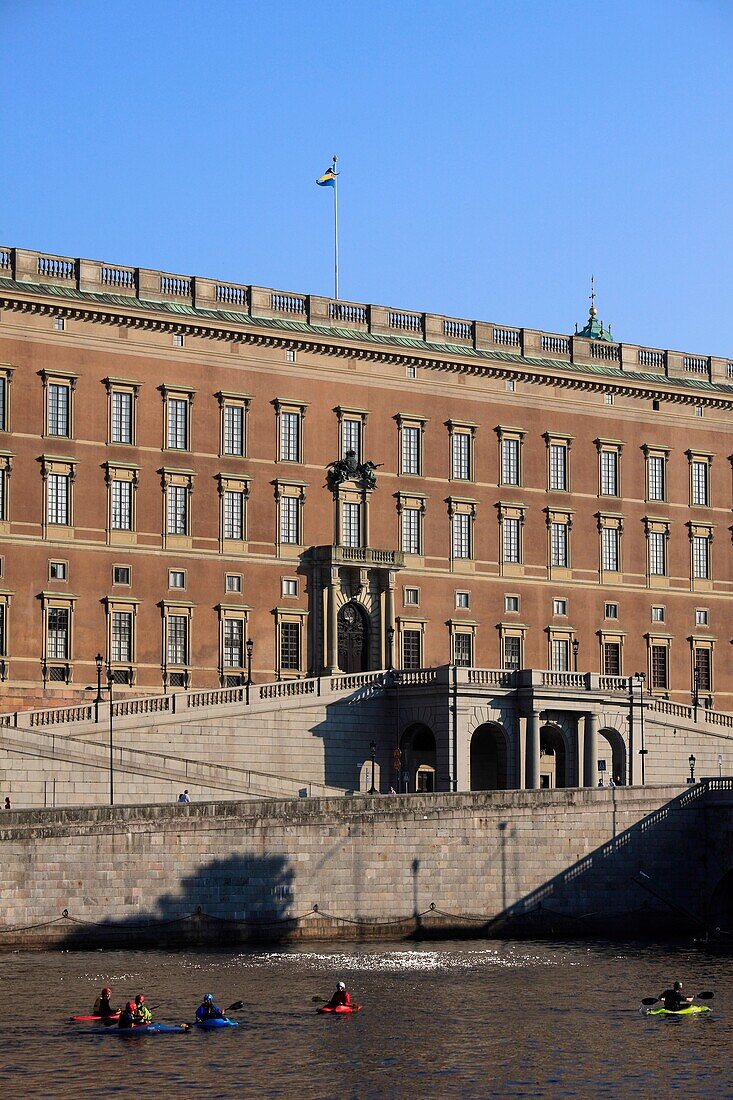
(469, 1019)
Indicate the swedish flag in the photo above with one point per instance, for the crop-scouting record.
(328, 179)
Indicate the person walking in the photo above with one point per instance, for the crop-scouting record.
(184, 798)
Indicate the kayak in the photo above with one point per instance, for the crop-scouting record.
(89, 1019)
(339, 1010)
(142, 1029)
(216, 1022)
(691, 1010)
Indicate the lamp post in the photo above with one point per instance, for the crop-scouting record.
(576, 647)
(99, 661)
(640, 677)
(250, 650)
(111, 740)
(373, 751)
(691, 762)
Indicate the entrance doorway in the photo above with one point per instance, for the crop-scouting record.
(353, 639)
(418, 759)
(489, 770)
(553, 765)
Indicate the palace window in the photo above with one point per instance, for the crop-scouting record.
(58, 477)
(6, 467)
(559, 541)
(177, 643)
(289, 500)
(178, 402)
(510, 455)
(58, 390)
(289, 642)
(511, 651)
(177, 510)
(58, 634)
(122, 637)
(702, 676)
(610, 611)
(176, 578)
(410, 528)
(411, 597)
(121, 574)
(121, 505)
(122, 404)
(233, 515)
(461, 535)
(463, 600)
(289, 587)
(609, 455)
(560, 654)
(510, 540)
(463, 649)
(558, 462)
(610, 549)
(658, 615)
(233, 582)
(611, 656)
(702, 616)
(350, 524)
(461, 450)
(656, 473)
(6, 375)
(559, 607)
(657, 534)
(352, 423)
(659, 665)
(411, 432)
(290, 416)
(699, 479)
(234, 408)
(233, 642)
(511, 603)
(411, 648)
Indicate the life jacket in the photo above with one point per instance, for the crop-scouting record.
(143, 1015)
(127, 1018)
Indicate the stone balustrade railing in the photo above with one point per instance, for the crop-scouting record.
(570, 683)
(227, 298)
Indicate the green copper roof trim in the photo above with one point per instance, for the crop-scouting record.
(180, 309)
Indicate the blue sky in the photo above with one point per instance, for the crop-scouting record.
(493, 155)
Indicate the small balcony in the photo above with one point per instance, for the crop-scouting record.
(368, 556)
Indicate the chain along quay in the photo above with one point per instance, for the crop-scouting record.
(503, 863)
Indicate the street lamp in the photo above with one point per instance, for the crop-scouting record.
(250, 649)
(99, 661)
(576, 647)
(390, 644)
(111, 741)
(373, 751)
(691, 762)
(640, 676)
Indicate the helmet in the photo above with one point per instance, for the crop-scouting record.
(677, 985)
(139, 999)
(341, 985)
(106, 991)
(131, 1006)
(208, 997)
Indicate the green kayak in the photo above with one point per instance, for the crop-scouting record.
(691, 1010)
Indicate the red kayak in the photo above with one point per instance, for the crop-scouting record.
(339, 1010)
(101, 1019)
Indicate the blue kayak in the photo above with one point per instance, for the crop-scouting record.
(142, 1029)
(216, 1022)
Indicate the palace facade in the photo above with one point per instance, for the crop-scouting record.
(188, 465)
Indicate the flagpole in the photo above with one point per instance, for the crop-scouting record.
(336, 229)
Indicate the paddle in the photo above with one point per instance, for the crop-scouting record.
(706, 996)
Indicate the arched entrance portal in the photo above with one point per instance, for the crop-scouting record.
(489, 766)
(553, 763)
(612, 750)
(353, 639)
(418, 758)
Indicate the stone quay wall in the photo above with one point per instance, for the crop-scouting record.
(562, 862)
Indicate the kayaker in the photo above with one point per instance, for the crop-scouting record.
(673, 999)
(207, 1010)
(102, 1005)
(340, 997)
(127, 1016)
(143, 1015)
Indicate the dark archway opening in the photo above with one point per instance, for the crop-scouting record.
(418, 758)
(353, 639)
(553, 758)
(721, 904)
(489, 764)
(612, 750)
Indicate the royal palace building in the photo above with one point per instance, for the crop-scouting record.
(188, 465)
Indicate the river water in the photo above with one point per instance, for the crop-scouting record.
(468, 1019)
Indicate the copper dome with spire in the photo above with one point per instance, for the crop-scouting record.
(594, 328)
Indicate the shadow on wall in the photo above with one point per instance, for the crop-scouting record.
(245, 898)
(349, 726)
(632, 885)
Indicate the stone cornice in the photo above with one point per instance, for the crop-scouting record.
(374, 345)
